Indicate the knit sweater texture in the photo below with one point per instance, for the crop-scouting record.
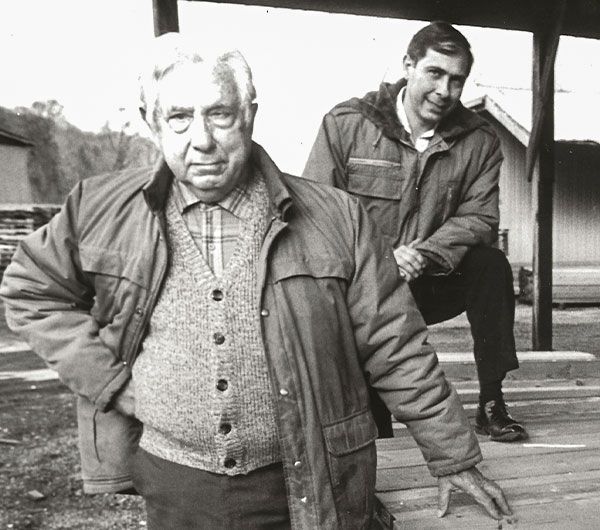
(201, 382)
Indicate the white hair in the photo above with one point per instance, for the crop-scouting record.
(172, 49)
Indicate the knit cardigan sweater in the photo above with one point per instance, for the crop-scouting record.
(201, 384)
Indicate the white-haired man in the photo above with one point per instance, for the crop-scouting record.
(217, 319)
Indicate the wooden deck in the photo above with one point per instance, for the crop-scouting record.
(552, 481)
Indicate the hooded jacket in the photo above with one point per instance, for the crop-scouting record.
(333, 313)
(447, 196)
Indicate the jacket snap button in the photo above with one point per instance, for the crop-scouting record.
(264, 313)
(139, 311)
(283, 392)
(297, 463)
(303, 500)
(219, 338)
(230, 462)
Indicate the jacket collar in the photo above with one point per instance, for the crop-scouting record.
(157, 188)
(379, 107)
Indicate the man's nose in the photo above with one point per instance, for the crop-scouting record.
(443, 87)
(201, 135)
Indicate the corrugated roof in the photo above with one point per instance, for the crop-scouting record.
(576, 113)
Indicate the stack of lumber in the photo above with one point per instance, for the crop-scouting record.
(17, 221)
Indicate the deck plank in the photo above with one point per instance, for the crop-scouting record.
(548, 487)
(536, 501)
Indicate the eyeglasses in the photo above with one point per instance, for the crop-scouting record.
(221, 118)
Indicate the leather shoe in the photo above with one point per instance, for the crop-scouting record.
(493, 419)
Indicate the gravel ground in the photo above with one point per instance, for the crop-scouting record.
(38, 438)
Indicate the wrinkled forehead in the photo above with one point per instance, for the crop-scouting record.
(197, 85)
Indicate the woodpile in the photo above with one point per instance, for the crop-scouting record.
(17, 221)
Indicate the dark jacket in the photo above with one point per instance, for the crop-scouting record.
(447, 195)
(82, 289)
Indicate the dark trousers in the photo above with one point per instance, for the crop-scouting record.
(180, 497)
(483, 287)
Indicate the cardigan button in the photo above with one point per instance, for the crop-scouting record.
(229, 463)
(217, 295)
(219, 338)
(225, 428)
(222, 385)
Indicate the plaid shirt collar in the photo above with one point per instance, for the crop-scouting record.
(237, 202)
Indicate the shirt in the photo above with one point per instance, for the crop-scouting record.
(422, 142)
(214, 227)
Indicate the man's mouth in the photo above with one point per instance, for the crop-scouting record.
(207, 168)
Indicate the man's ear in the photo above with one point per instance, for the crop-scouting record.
(150, 126)
(252, 115)
(407, 63)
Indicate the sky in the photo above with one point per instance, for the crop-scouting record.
(85, 54)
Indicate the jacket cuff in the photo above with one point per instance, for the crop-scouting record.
(452, 469)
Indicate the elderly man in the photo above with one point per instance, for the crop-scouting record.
(427, 169)
(227, 315)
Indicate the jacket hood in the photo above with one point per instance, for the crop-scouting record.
(379, 107)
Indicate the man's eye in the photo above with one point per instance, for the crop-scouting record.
(222, 118)
(435, 73)
(179, 122)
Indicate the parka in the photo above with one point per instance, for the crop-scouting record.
(333, 314)
(446, 196)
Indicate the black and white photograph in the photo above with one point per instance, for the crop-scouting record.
(304, 265)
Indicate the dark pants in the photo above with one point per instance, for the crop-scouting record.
(483, 287)
(180, 497)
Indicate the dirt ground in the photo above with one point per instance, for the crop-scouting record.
(38, 439)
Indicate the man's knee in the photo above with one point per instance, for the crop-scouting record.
(489, 259)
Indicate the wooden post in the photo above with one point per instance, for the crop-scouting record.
(166, 16)
(543, 188)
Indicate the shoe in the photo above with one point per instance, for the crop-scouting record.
(493, 419)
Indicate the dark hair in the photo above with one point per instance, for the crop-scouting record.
(441, 37)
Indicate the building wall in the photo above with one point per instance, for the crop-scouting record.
(14, 182)
(576, 202)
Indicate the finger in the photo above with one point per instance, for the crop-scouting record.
(482, 498)
(414, 242)
(444, 491)
(409, 258)
(495, 491)
(407, 275)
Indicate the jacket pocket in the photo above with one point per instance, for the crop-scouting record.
(378, 184)
(311, 266)
(382, 179)
(352, 461)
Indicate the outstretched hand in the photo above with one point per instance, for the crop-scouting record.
(483, 490)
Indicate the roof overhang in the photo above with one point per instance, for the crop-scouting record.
(582, 18)
(10, 138)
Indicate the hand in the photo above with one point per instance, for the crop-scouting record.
(124, 401)
(484, 491)
(411, 262)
